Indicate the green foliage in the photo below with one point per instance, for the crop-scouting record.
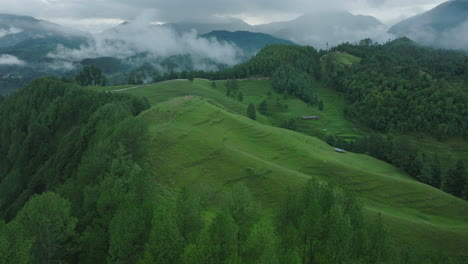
(263, 107)
(290, 124)
(47, 219)
(289, 79)
(320, 105)
(323, 224)
(221, 241)
(188, 215)
(165, 242)
(240, 97)
(405, 88)
(251, 112)
(91, 76)
(455, 180)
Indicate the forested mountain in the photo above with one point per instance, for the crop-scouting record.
(444, 26)
(25, 43)
(16, 29)
(315, 28)
(248, 42)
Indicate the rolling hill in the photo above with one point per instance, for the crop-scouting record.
(196, 140)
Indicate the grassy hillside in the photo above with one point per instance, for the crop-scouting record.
(197, 141)
(254, 91)
(208, 141)
(332, 120)
(344, 58)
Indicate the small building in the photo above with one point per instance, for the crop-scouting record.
(310, 118)
(339, 150)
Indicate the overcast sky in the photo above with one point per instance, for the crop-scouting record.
(96, 15)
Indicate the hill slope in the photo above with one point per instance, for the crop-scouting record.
(196, 141)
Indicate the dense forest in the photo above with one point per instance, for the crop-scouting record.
(74, 188)
(400, 86)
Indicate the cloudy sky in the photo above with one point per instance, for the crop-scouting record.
(96, 15)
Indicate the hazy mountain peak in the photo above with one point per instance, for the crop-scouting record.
(443, 26)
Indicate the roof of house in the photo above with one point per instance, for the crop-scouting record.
(310, 117)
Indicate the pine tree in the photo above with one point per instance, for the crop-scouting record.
(320, 105)
(165, 241)
(47, 218)
(455, 179)
(240, 96)
(221, 244)
(251, 112)
(263, 107)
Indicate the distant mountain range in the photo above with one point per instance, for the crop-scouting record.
(316, 29)
(445, 26)
(30, 48)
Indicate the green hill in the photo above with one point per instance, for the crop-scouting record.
(196, 141)
(208, 141)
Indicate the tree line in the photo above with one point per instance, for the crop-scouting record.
(426, 168)
(405, 88)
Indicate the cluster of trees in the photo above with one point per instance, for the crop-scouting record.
(405, 88)
(91, 76)
(291, 80)
(68, 174)
(304, 58)
(424, 167)
(232, 89)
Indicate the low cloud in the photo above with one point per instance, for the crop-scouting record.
(338, 35)
(6, 59)
(453, 38)
(140, 36)
(10, 31)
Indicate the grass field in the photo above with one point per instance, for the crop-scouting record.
(344, 58)
(195, 141)
(199, 135)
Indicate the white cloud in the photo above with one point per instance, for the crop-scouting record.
(254, 11)
(6, 59)
(10, 31)
(140, 36)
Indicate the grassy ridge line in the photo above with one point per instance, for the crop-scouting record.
(195, 141)
(255, 91)
(331, 118)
